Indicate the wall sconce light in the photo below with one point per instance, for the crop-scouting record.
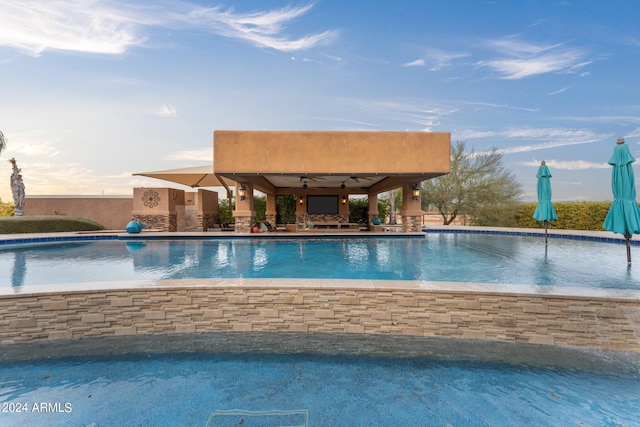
(416, 192)
(242, 192)
(301, 200)
(344, 200)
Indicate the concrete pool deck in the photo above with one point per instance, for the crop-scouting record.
(605, 319)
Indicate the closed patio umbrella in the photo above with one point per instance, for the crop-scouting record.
(544, 211)
(624, 215)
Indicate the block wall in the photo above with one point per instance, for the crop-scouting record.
(600, 323)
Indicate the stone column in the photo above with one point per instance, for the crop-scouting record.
(411, 209)
(244, 213)
(301, 212)
(156, 207)
(343, 207)
(373, 207)
(207, 209)
(270, 212)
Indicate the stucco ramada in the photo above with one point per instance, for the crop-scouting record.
(312, 165)
(330, 163)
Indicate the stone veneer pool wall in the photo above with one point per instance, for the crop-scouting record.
(287, 305)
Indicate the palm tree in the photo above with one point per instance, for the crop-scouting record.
(3, 142)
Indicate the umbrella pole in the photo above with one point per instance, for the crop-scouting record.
(546, 236)
(628, 237)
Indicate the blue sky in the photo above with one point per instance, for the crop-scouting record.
(93, 91)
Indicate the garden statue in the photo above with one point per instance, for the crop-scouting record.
(17, 188)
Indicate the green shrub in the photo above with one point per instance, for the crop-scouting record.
(225, 212)
(46, 224)
(7, 209)
(358, 210)
(571, 216)
(286, 208)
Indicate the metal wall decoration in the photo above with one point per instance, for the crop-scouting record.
(150, 198)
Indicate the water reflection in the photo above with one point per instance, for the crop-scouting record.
(356, 253)
(545, 271)
(259, 256)
(135, 246)
(444, 257)
(224, 255)
(19, 269)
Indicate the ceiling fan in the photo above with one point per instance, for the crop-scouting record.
(358, 178)
(309, 178)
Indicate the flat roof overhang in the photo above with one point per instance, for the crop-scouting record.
(276, 162)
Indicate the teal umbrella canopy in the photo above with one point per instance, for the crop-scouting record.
(545, 210)
(624, 215)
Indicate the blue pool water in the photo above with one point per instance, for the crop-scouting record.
(186, 389)
(183, 383)
(436, 257)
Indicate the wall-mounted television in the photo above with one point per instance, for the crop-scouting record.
(322, 205)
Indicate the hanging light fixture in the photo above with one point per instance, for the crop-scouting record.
(416, 192)
(242, 192)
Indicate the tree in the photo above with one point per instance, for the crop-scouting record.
(393, 198)
(3, 142)
(225, 212)
(478, 186)
(260, 208)
(286, 208)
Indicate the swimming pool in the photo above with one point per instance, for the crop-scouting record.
(435, 257)
(375, 376)
(326, 380)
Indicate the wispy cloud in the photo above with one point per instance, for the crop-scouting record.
(559, 91)
(568, 165)
(33, 26)
(424, 115)
(436, 59)
(43, 149)
(59, 178)
(535, 138)
(621, 120)
(166, 111)
(262, 29)
(32, 143)
(416, 63)
(427, 117)
(112, 28)
(521, 59)
(500, 106)
(549, 144)
(633, 134)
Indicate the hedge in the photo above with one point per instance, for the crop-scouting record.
(571, 216)
(46, 224)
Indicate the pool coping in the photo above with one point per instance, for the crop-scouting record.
(351, 284)
(587, 235)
